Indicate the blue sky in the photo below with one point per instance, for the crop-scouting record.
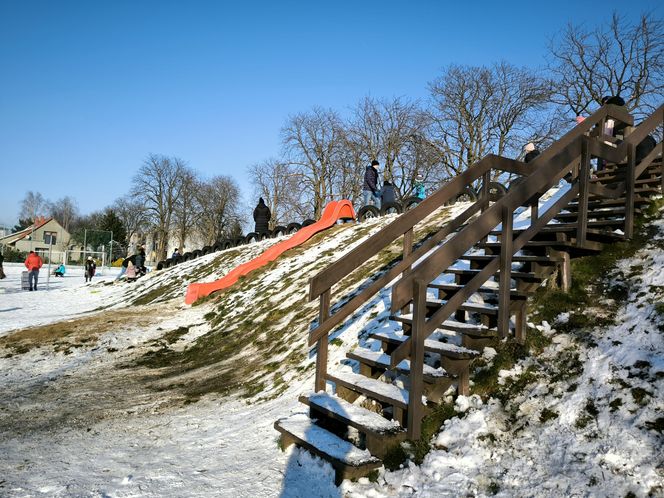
(88, 89)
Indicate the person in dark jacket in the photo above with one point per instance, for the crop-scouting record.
(139, 262)
(370, 186)
(2, 271)
(644, 148)
(531, 152)
(388, 193)
(262, 217)
(90, 268)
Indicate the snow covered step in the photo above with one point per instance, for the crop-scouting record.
(378, 359)
(353, 415)
(348, 460)
(374, 389)
(473, 329)
(431, 345)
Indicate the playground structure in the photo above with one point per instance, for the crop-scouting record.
(333, 212)
(478, 254)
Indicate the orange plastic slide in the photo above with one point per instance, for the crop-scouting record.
(335, 210)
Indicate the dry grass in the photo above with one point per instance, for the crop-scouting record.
(80, 331)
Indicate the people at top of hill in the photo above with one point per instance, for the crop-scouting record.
(370, 190)
(531, 152)
(33, 263)
(176, 253)
(60, 270)
(262, 217)
(418, 187)
(90, 268)
(388, 193)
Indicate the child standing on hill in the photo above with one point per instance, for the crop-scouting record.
(418, 187)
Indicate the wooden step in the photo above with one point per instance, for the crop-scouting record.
(487, 258)
(588, 247)
(516, 275)
(353, 415)
(594, 227)
(602, 213)
(348, 461)
(453, 288)
(473, 330)
(372, 388)
(608, 203)
(380, 434)
(381, 360)
(470, 307)
(654, 168)
(470, 329)
(430, 345)
(607, 181)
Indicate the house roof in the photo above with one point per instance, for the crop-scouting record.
(12, 238)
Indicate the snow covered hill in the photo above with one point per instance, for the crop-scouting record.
(115, 389)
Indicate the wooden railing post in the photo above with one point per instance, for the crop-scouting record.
(583, 179)
(484, 192)
(407, 250)
(415, 408)
(630, 181)
(322, 344)
(534, 209)
(506, 245)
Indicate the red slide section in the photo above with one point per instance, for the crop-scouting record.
(333, 212)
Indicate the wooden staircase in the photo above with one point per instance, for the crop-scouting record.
(470, 285)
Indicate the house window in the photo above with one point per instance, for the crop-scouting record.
(49, 237)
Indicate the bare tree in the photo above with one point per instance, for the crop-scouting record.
(64, 211)
(133, 214)
(277, 183)
(311, 141)
(616, 58)
(186, 209)
(217, 201)
(481, 110)
(159, 185)
(33, 205)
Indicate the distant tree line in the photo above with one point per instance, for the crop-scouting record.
(471, 111)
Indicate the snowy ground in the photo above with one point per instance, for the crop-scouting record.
(72, 423)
